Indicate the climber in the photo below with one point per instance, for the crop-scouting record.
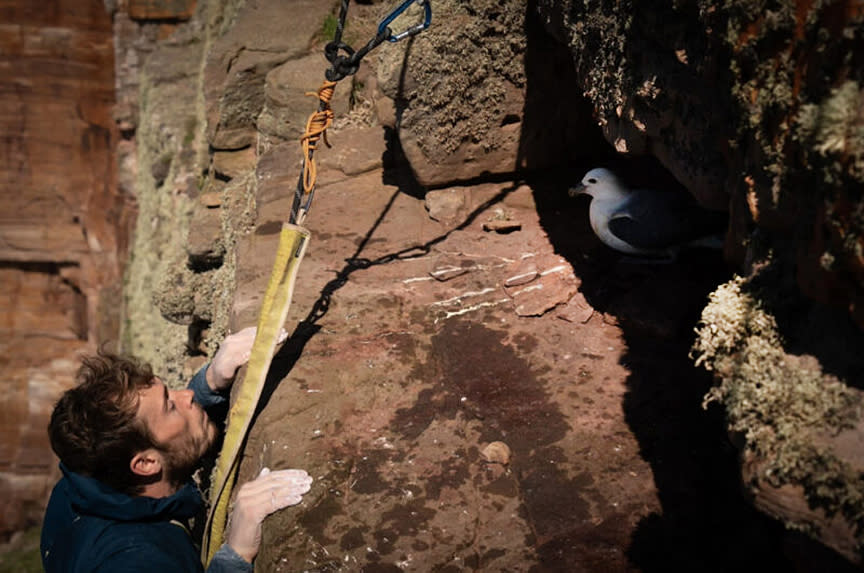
(128, 447)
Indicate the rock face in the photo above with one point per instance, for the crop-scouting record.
(460, 90)
(404, 372)
(63, 229)
(739, 115)
(468, 101)
(778, 143)
(428, 324)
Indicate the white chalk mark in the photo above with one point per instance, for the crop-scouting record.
(487, 304)
(458, 299)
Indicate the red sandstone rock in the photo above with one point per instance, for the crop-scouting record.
(577, 309)
(286, 104)
(445, 205)
(63, 228)
(161, 9)
(235, 163)
(238, 62)
(355, 150)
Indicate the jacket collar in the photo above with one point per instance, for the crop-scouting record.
(90, 496)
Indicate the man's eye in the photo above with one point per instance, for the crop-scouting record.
(170, 404)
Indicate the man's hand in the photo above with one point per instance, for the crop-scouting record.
(233, 353)
(257, 499)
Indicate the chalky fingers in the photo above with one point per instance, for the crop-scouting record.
(272, 491)
(268, 480)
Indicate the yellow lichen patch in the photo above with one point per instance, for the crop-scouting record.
(730, 318)
(778, 403)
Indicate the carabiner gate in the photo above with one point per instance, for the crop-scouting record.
(415, 29)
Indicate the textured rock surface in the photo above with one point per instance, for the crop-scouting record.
(395, 380)
(740, 116)
(238, 62)
(63, 228)
(418, 340)
(653, 83)
(428, 324)
(762, 112)
(459, 91)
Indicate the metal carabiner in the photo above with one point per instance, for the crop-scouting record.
(416, 29)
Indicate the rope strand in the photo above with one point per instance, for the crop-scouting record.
(316, 128)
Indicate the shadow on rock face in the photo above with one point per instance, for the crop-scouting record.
(705, 523)
(481, 377)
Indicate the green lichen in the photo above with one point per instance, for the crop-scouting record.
(778, 402)
(731, 318)
(772, 45)
(833, 133)
(835, 127)
(159, 236)
(219, 16)
(460, 74)
(191, 131)
(175, 294)
(163, 294)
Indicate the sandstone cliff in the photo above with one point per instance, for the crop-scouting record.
(412, 342)
(453, 296)
(63, 228)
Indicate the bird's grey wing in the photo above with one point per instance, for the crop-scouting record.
(658, 219)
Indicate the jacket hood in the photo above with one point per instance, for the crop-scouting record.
(90, 496)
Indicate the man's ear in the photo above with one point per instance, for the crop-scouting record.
(146, 463)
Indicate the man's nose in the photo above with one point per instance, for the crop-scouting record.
(184, 397)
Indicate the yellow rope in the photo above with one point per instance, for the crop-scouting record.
(274, 310)
(277, 300)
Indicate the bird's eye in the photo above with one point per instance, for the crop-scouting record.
(592, 181)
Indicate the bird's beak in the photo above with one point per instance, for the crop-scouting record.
(576, 190)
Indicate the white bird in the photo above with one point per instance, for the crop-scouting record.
(646, 222)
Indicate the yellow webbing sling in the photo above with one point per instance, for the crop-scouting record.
(277, 299)
(292, 245)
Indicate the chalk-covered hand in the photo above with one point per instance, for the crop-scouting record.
(257, 499)
(233, 353)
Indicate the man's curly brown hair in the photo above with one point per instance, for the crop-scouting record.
(94, 429)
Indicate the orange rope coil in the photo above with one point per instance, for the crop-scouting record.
(316, 128)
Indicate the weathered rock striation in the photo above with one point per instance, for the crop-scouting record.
(63, 228)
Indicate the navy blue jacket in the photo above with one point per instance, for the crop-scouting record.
(90, 527)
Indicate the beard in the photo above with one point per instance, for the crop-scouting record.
(181, 461)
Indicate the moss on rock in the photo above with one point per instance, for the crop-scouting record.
(778, 402)
(459, 79)
(167, 301)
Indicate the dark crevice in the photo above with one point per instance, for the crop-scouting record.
(510, 119)
(196, 333)
(204, 263)
(706, 522)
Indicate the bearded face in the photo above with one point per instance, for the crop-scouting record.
(180, 428)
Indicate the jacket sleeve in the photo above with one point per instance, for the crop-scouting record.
(226, 560)
(214, 403)
(147, 559)
(140, 550)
